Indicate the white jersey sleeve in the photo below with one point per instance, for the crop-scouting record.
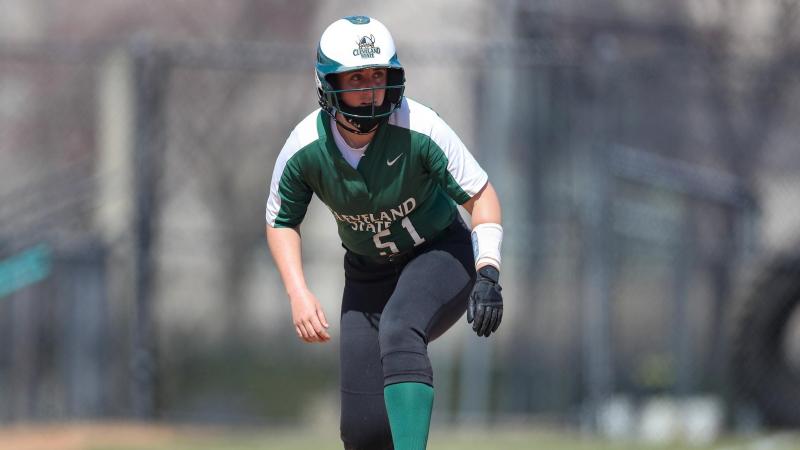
(446, 157)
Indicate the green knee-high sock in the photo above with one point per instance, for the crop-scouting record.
(409, 408)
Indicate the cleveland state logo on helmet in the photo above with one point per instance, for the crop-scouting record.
(366, 47)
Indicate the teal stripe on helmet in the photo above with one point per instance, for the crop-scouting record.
(357, 20)
(327, 66)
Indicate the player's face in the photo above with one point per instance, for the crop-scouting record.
(360, 79)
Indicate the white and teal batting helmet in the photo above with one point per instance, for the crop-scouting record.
(355, 43)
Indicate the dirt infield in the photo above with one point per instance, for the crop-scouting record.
(146, 436)
(82, 436)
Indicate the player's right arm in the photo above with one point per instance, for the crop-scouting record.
(289, 196)
(307, 314)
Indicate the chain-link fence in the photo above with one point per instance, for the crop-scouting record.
(143, 167)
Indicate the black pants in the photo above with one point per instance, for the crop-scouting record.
(390, 312)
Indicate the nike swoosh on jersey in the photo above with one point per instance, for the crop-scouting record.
(391, 163)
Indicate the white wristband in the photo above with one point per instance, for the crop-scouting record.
(486, 240)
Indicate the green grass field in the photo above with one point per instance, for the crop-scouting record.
(518, 442)
(444, 439)
(127, 436)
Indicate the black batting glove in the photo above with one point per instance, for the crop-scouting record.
(485, 306)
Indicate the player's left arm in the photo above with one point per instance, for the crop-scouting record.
(460, 175)
(485, 307)
(484, 207)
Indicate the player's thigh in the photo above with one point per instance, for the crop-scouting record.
(362, 305)
(364, 423)
(431, 294)
(359, 353)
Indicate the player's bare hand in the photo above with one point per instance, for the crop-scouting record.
(308, 317)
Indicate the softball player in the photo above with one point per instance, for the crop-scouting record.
(391, 172)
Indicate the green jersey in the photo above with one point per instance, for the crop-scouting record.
(403, 191)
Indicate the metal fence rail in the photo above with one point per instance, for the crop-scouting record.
(597, 214)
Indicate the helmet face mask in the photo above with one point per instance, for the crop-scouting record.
(351, 44)
(365, 117)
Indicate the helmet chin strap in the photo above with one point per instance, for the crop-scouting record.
(352, 129)
(354, 125)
